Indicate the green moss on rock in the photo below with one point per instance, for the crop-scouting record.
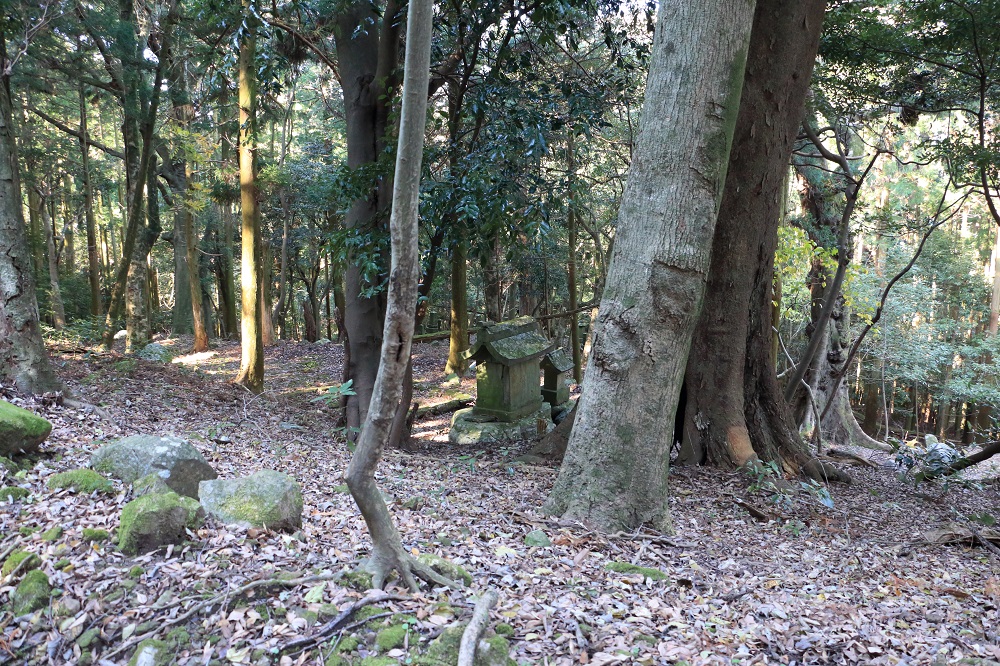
(88, 637)
(136, 571)
(152, 652)
(626, 568)
(391, 637)
(52, 534)
(450, 570)
(266, 498)
(150, 484)
(21, 431)
(31, 593)
(14, 560)
(152, 521)
(13, 493)
(82, 481)
(9, 465)
(95, 535)
(359, 580)
(504, 629)
(443, 650)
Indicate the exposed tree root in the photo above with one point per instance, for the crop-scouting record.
(824, 472)
(383, 563)
(477, 625)
(337, 623)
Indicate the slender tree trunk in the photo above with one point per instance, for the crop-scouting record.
(266, 284)
(93, 259)
(251, 374)
(23, 359)
(984, 417)
(614, 476)
(139, 301)
(458, 339)
(574, 328)
(278, 315)
(69, 225)
(194, 278)
(388, 553)
(55, 294)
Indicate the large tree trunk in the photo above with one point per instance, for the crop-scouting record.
(366, 58)
(614, 476)
(139, 300)
(734, 411)
(251, 374)
(23, 359)
(388, 554)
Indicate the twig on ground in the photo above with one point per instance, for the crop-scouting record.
(758, 515)
(736, 594)
(217, 599)
(334, 625)
(477, 625)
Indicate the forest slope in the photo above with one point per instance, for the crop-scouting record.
(855, 583)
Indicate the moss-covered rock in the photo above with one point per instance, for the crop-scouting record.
(149, 484)
(263, 499)
(52, 534)
(15, 559)
(13, 493)
(31, 593)
(21, 431)
(152, 652)
(446, 568)
(94, 535)
(626, 568)
(136, 571)
(9, 465)
(391, 637)
(81, 480)
(153, 521)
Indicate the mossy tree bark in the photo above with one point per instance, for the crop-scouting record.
(614, 475)
(93, 258)
(23, 359)
(388, 554)
(734, 411)
(251, 373)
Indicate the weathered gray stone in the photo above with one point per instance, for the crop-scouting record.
(149, 485)
(21, 431)
(152, 521)
(468, 428)
(263, 499)
(154, 351)
(174, 460)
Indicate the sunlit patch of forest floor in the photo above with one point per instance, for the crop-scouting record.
(851, 583)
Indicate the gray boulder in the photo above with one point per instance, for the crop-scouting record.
(154, 351)
(263, 499)
(175, 461)
(21, 431)
(157, 520)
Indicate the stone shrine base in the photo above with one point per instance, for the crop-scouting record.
(468, 428)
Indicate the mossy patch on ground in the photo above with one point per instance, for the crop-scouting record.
(52, 534)
(626, 568)
(82, 481)
(450, 570)
(152, 652)
(15, 559)
(95, 535)
(391, 637)
(13, 493)
(359, 580)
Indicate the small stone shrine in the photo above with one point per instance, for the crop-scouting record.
(557, 367)
(509, 403)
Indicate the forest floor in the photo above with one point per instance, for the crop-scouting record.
(805, 584)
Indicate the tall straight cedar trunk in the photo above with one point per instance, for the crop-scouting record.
(93, 259)
(367, 59)
(55, 293)
(23, 359)
(388, 554)
(734, 412)
(251, 372)
(614, 475)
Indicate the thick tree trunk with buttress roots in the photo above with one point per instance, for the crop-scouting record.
(614, 475)
(734, 412)
(388, 554)
(23, 359)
